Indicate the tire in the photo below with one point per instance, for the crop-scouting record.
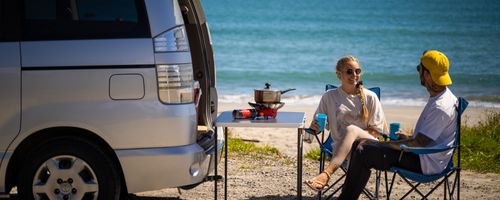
(68, 168)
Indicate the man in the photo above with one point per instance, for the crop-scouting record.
(435, 127)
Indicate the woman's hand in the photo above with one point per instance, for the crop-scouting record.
(314, 126)
(372, 132)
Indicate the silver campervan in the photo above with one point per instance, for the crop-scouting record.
(100, 98)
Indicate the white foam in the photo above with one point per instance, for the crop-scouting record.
(308, 100)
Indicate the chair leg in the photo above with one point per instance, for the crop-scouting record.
(321, 168)
(458, 179)
(444, 180)
(388, 189)
(377, 183)
(413, 188)
(444, 192)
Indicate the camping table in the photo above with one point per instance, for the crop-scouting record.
(282, 120)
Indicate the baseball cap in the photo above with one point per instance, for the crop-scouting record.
(437, 63)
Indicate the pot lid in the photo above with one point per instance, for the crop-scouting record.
(267, 88)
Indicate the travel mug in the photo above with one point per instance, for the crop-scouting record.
(393, 128)
(321, 120)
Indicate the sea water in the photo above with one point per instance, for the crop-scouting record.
(295, 44)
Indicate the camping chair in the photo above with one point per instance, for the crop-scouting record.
(417, 178)
(326, 151)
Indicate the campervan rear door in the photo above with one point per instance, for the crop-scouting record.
(202, 56)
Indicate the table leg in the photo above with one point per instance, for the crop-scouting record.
(225, 163)
(215, 165)
(299, 163)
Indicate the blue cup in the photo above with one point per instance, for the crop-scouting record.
(321, 120)
(393, 128)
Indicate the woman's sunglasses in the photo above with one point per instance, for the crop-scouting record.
(352, 71)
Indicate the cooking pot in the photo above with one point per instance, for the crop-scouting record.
(267, 95)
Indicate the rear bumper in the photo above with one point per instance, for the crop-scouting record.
(157, 168)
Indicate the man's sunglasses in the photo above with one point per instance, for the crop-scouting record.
(419, 66)
(351, 71)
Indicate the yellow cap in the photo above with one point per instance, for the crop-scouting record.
(437, 63)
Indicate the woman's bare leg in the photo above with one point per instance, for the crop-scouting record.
(340, 153)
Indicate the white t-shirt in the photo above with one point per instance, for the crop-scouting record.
(344, 109)
(438, 122)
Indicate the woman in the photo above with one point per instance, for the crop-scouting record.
(353, 112)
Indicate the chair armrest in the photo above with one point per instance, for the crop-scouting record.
(424, 150)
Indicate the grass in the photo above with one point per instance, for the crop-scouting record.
(313, 154)
(242, 148)
(480, 146)
(239, 148)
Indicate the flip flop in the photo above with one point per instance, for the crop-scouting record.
(313, 183)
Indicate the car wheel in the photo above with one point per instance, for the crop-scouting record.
(68, 169)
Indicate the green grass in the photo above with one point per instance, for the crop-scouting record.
(313, 154)
(480, 146)
(242, 148)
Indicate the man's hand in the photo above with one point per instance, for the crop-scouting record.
(402, 135)
(419, 141)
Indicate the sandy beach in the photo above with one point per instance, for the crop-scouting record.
(275, 178)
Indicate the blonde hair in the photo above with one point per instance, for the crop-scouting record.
(341, 64)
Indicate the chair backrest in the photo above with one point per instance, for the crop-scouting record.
(462, 105)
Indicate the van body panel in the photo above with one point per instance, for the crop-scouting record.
(139, 163)
(80, 98)
(87, 52)
(3, 171)
(10, 102)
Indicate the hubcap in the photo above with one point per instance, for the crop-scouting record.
(65, 177)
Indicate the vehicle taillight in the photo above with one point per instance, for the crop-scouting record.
(172, 40)
(175, 83)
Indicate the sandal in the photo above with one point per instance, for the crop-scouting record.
(317, 185)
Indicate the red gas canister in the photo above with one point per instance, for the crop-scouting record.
(244, 113)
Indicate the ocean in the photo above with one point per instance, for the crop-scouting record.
(296, 43)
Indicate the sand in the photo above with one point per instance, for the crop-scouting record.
(275, 178)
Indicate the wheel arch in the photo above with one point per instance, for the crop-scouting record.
(54, 133)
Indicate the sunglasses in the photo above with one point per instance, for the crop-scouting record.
(352, 71)
(420, 66)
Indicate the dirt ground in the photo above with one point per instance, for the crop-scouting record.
(275, 179)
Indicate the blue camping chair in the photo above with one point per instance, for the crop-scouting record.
(415, 179)
(326, 151)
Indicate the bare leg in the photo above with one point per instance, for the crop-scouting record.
(339, 155)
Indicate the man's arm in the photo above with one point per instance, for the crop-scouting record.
(419, 141)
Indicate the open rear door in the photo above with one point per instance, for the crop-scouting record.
(202, 56)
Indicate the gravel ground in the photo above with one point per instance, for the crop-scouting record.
(275, 178)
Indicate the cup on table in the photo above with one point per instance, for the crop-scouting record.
(393, 128)
(321, 120)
